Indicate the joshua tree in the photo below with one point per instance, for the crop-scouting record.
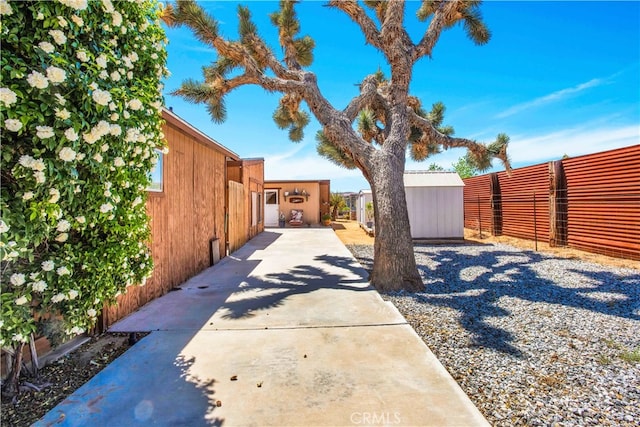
(372, 132)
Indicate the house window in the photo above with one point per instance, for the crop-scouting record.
(156, 175)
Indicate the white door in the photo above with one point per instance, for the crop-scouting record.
(271, 208)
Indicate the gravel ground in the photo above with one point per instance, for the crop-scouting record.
(532, 339)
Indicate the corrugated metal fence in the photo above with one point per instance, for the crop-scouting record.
(589, 202)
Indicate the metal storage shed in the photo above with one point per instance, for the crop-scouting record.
(435, 204)
(364, 196)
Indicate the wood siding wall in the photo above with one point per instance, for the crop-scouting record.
(185, 217)
(237, 236)
(250, 173)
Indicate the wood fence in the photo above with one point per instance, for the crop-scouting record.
(589, 202)
(235, 218)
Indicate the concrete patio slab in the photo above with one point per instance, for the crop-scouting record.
(286, 332)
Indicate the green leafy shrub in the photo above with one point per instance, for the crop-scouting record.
(80, 115)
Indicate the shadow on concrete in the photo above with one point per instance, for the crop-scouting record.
(143, 387)
(301, 279)
(457, 280)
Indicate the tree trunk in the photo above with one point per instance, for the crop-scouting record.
(10, 388)
(394, 266)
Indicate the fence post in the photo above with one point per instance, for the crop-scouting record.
(535, 222)
(479, 218)
(496, 204)
(557, 205)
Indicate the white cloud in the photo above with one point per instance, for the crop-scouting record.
(573, 142)
(552, 97)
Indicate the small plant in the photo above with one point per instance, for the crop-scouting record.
(631, 356)
(326, 217)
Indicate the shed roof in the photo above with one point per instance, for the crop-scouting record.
(172, 118)
(432, 179)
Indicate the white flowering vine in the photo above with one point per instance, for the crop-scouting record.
(70, 78)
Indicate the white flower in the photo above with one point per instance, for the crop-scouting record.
(63, 271)
(82, 55)
(40, 16)
(115, 76)
(114, 117)
(37, 165)
(37, 80)
(107, 6)
(63, 22)
(27, 196)
(47, 265)
(58, 298)
(106, 207)
(103, 75)
(165, 150)
(125, 114)
(45, 132)
(133, 57)
(63, 114)
(60, 99)
(71, 134)
(58, 36)
(101, 97)
(75, 330)
(40, 177)
(107, 193)
(21, 301)
(136, 201)
(55, 195)
(13, 125)
(104, 148)
(81, 219)
(56, 75)
(3, 227)
(108, 185)
(39, 286)
(62, 237)
(90, 137)
(7, 96)
(5, 8)
(135, 104)
(75, 4)
(97, 157)
(47, 47)
(117, 18)
(73, 294)
(17, 279)
(91, 312)
(118, 162)
(79, 21)
(78, 189)
(63, 225)
(67, 154)
(101, 61)
(19, 338)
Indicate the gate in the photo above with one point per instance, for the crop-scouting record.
(237, 234)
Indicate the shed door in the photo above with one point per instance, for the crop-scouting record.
(271, 208)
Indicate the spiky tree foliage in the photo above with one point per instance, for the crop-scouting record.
(375, 130)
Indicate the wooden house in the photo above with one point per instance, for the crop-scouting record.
(312, 197)
(199, 203)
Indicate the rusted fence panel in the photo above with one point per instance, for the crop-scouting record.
(594, 204)
(603, 202)
(477, 204)
(525, 202)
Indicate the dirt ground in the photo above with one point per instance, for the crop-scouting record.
(350, 233)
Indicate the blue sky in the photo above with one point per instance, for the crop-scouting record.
(560, 77)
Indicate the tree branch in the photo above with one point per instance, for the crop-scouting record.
(432, 34)
(358, 15)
